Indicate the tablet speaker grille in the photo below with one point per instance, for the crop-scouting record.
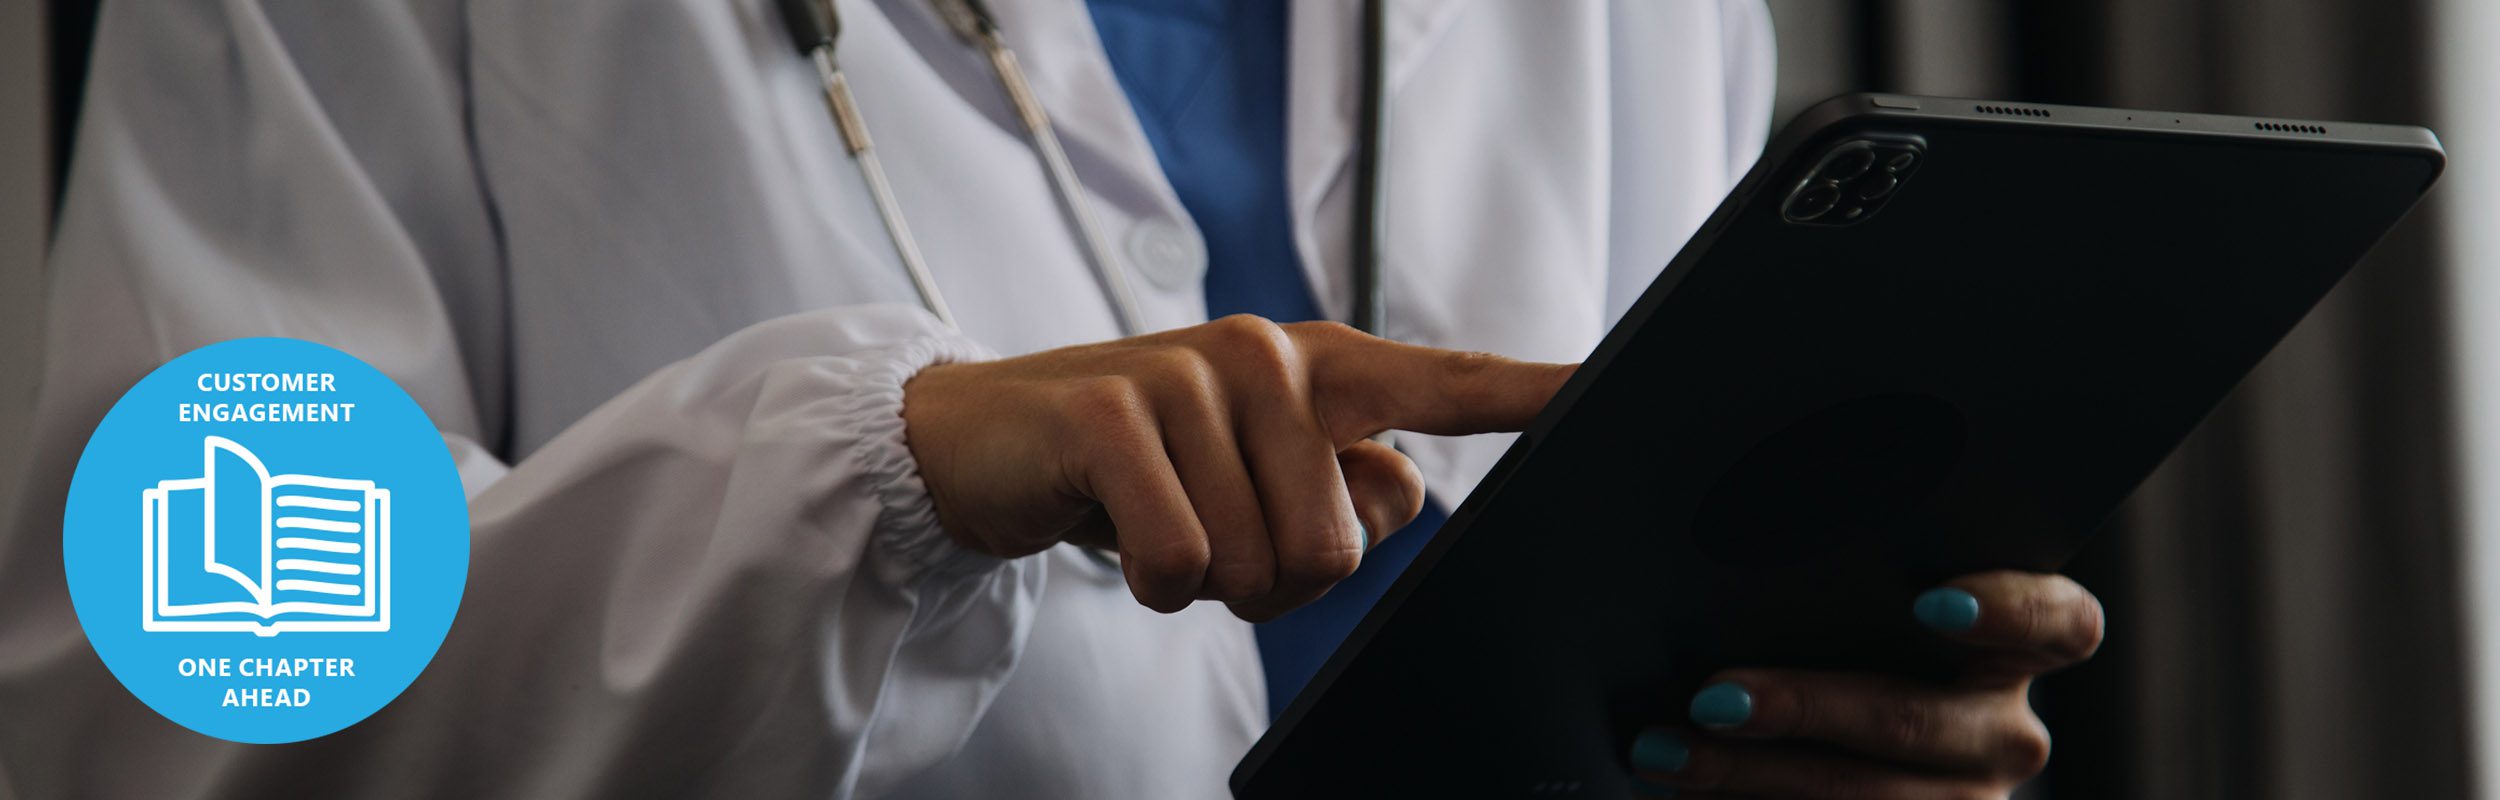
(2011, 111)
(2283, 127)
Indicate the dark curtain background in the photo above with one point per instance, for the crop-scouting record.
(2284, 605)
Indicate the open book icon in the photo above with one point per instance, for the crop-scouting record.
(239, 549)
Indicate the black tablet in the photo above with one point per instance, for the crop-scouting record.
(1923, 337)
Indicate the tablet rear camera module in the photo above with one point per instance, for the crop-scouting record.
(1852, 181)
(1813, 202)
(1848, 163)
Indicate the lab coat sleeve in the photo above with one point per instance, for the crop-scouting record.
(725, 580)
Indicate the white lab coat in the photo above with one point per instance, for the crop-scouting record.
(614, 251)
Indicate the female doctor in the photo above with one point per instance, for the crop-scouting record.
(750, 518)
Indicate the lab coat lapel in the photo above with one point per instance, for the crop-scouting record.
(1324, 78)
(1064, 60)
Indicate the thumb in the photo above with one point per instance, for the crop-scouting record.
(1387, 489)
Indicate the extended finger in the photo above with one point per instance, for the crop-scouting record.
(1163, 549)
(1696, 766)
(1989, 732)
(1365, 385)
(2032, 623)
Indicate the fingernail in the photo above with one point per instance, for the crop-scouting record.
(1660, 750)
(1722, 705)
(1946, 609)
(1363, 537)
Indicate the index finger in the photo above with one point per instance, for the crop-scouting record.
(2030, 622)
(1364, 384)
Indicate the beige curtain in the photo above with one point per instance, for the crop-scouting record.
(2284, 594)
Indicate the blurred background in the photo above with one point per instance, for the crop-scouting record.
(2296, 603)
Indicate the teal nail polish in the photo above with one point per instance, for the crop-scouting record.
(1363, 540)
(1659, 750)
(1722, 705)
(1947, 609)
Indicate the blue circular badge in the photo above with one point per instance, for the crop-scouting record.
(266, 540)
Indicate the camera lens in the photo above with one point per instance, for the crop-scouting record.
(1813, 202)
(1849, 164)
(1901, 162)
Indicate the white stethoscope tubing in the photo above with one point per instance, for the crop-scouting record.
(973, 24)
(846, 120)
(813, 26)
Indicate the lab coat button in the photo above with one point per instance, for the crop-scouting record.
(1170, 256)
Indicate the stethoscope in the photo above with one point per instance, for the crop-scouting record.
(813, 26)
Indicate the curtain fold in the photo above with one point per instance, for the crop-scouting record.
(2283, 593)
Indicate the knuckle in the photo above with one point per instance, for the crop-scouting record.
(1180, 367)
(1106, 403)
(2065, 620)
(1176, 562)
(1146, 585)
(1240, 580)
(1319, 565)
(2026, 748)
(1255, 349)
(2034, 617)
(1247, 332)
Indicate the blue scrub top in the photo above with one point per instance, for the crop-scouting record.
(1207, 78)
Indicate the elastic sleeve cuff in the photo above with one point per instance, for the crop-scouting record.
(907, 523)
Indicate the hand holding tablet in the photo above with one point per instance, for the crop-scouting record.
(1924, 341)
(1761, 732)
